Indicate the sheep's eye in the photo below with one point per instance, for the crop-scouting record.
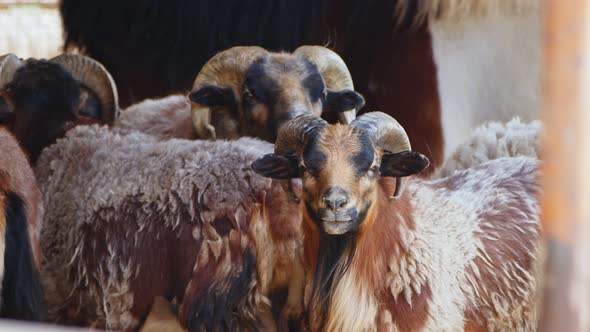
(248, 97)
(373, 170)
(302, 169)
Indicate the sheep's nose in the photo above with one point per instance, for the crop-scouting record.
(335, 198)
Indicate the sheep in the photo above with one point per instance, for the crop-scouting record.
(21, 210)
(392, 63)
(40, 100)
(492, 141)
(133, 217)
(248, 91)
(462, 252)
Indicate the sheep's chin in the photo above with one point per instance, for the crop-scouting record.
(338, 227)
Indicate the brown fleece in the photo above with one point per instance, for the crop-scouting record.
(129, 218)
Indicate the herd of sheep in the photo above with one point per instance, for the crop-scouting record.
(105, 211)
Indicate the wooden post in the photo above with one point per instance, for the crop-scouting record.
(566, 169)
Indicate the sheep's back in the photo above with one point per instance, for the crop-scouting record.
(492, 141)
(126, 213)
(485, 219)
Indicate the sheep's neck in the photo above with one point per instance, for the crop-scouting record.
(373, 278)
(386, 239)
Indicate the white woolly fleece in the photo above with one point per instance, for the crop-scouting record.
(492, 141)
(102, 186)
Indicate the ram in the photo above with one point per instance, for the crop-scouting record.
(40, 100)
(21, 211)
(133, 217)
(248, 91)
(462, 252)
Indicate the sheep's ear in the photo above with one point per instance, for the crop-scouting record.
(343, 100)
(275, 166)
(402, 164)
(213, 96)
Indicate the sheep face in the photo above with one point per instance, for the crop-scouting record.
(247, 91)
(339, 167)
(277, 88)
(42, 99)
(339, 172)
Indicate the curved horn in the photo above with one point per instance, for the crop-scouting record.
(333, 69)
(294, 134)
(387, 134)
(94, 76)
(9, 63)
(227, 69)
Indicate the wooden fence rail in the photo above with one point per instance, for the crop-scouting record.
(566, 171)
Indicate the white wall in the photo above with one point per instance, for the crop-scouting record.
(30, 30)
(488, 69)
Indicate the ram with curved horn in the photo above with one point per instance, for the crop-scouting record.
(248, 91)
(41, 99)
(437, 256)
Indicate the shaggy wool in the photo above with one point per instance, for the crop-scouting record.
(129, 214)
(492, 141)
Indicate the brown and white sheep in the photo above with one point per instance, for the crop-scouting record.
(462, 252)
(248, 91)
(21, 212)
(132, 217)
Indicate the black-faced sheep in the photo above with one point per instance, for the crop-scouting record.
(21, 213)
(40, 100)
(133, 217)
(462, 252)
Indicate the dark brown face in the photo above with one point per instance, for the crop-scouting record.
(340, 168)
(41, 103)
(275, 88)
